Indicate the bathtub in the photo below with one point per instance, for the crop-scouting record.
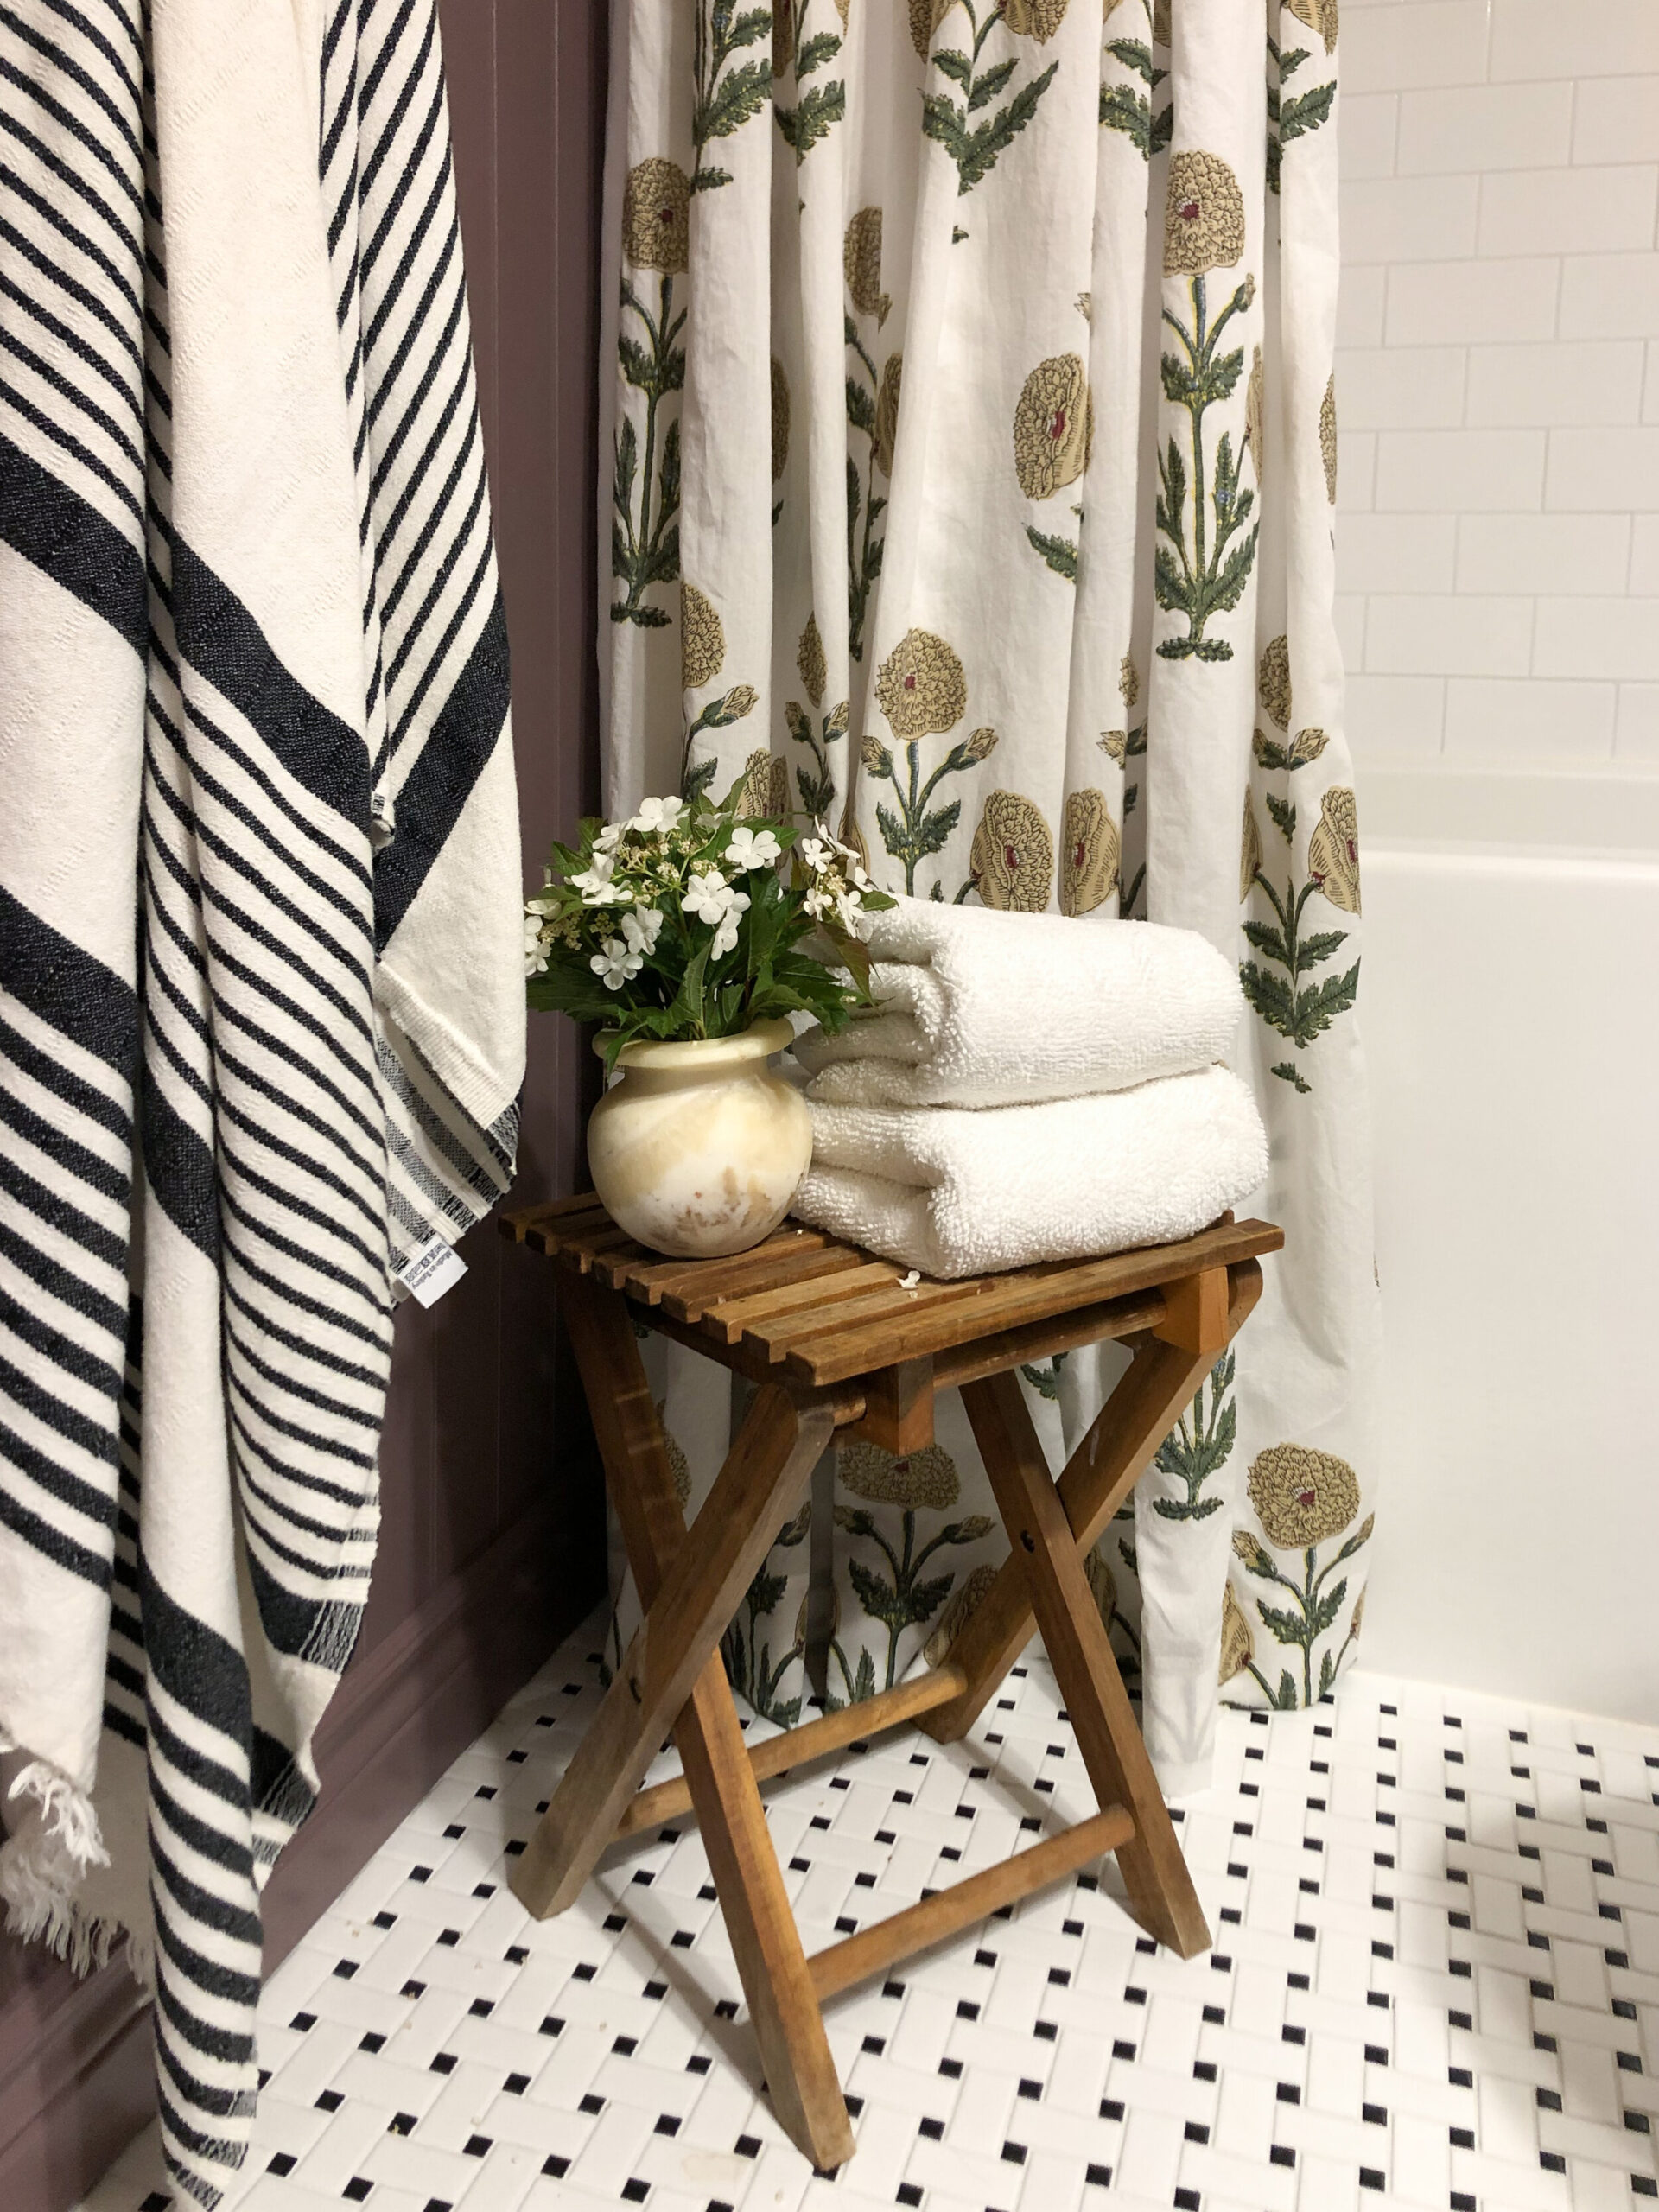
(1510, 1011)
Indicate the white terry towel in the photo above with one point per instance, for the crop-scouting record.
(981, 1007)
(961, 1193)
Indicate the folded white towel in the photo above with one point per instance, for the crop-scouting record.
(961, 1193)
(981, 1007)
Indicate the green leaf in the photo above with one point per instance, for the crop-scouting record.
(1284, 816)
(880, 1600)
(699, 777)
(1289, 63)
(1123, 109)
(823, 46)
(1304, 113)
(1270, 996)
(861, 413)
(1287, 1072)
(1326, 1608)
(1186, 1508)
(934, 829)
(1287, 1627)
(957, 66)
(864, 1682)
(1137, 57)
(1269, 753)
(989, 84)
(1284, 1696)
(1317, 1009)
(1320, 946)
(818, 112)
(1060, 553)
(1163, 129)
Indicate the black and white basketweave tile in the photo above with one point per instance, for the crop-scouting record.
(1436, 1983)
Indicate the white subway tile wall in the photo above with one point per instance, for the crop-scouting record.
(1497, 381)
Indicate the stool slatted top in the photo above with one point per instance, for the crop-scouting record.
(839, 1342)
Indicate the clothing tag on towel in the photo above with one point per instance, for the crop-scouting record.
(437, 1267)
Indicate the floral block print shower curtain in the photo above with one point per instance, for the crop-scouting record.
(969, 483)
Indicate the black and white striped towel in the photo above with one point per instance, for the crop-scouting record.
(261, 998)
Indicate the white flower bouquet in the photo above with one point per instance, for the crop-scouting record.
(689, 920)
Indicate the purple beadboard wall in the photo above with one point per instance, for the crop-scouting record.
(492, 1541)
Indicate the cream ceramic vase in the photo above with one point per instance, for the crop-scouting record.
(700, 1148)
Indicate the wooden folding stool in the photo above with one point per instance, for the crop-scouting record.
(834, 1341)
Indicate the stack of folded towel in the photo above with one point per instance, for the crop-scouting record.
(1031, 1088)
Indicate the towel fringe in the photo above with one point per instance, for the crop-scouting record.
(42, 1868)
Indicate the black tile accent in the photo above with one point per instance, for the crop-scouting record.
(282, 2163)
(1029, 2089)
(1014, 2153)
(1281, 2154)
(909, 2193)
(372, 2043)
(1462, 2139)
(1111, 2108)
(1188, 2200)
(591, 2104)
(747, 2146)
(1196, 2132)
(1644, 2185)
(1548, 2100)
(413, 1989)
(476, 2146)
(1375, 2055)
(1289, 2034)
(952, 2069)
(445, 2063)
(302, 2021)
(1122, 2050)
(1552, 2161)
(1101, 2176)
(932, 2129)
(1215, 2015)
(1203, 2070)
(634, 2191)
(965, 2010)
(481, 2007)
(1289, 2094)
(401, 2123)
(357, 2189)
(1377, 2115)
(1369, 2178)
(330, 2100)
(515, 2085)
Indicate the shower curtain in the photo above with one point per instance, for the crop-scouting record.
(968, 481)
(261, 1006)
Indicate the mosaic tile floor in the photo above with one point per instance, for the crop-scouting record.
(1436, 1983)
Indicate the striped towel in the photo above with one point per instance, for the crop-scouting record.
(261, 998)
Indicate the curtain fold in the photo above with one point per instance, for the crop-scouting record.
(970, 485)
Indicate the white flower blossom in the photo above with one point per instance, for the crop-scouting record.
(657, 815)
(642, 928)
(614, 964)
(535, 951)
(707, 895)
(815, 852)
(749, 850)
(608, 838)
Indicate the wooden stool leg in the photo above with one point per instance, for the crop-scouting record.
(1146, 1405)
(765, 1473)
(777, 1982)
(1161, 1889)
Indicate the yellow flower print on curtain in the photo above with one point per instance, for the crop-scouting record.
(1302, 1497)
(901, 348)
(1012, 862)
(922, 690)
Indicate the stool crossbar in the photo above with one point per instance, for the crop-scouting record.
(837, 1342)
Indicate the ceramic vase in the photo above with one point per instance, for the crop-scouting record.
(699, 1147)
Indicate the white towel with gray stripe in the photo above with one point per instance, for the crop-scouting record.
(261, 997)
(983, 1007)
(957, 1192)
